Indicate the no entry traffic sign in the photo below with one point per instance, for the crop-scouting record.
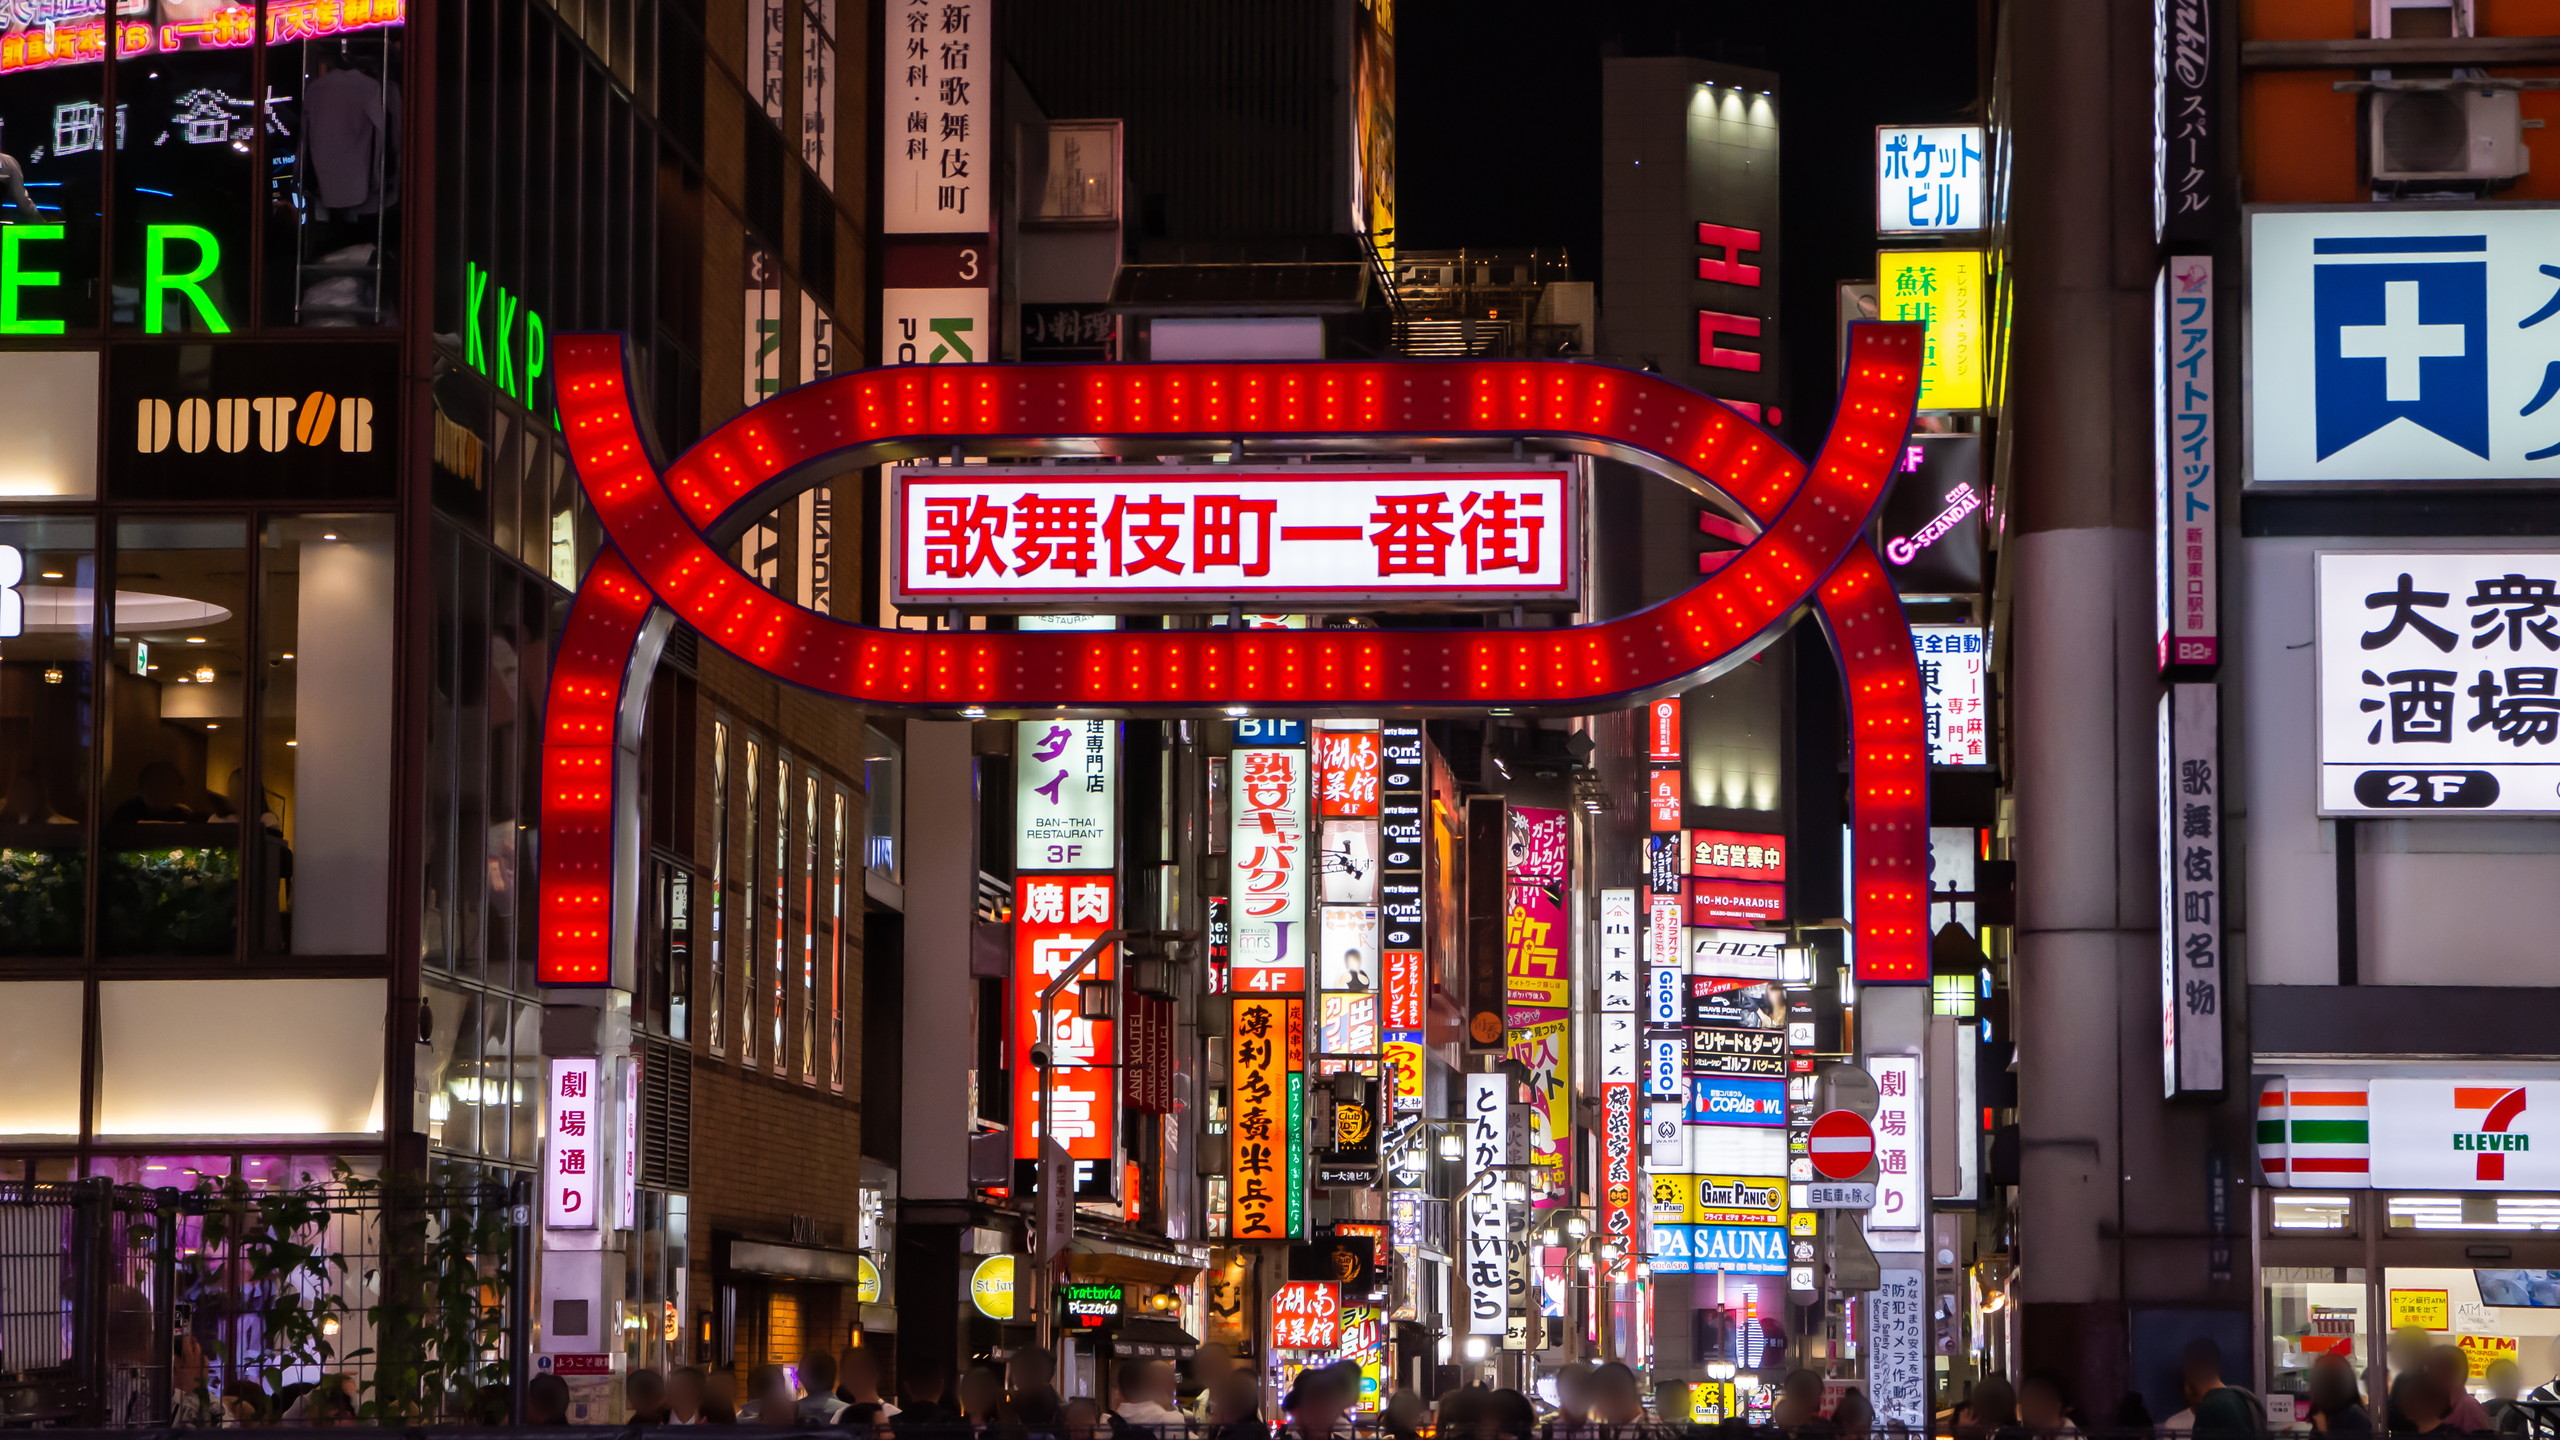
(1843, 1144)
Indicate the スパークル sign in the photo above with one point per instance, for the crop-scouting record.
(2439, 682)
(575, 1146)
(1064, 800)
(1267, 880)
(1951, 686)
(1054, 918)
(1929, 179)
(1206, 537)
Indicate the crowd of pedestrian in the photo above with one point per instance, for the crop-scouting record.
(1221, 1399)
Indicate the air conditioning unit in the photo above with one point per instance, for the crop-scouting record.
(2450, 135)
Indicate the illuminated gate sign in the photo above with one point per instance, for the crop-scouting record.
(1211, 535)
(669, 524)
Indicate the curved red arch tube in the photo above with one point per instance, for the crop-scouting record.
(1811, 551)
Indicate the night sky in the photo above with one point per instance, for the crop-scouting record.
(1498, 127)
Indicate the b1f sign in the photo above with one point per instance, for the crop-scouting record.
(1929, 179)
(2403, 344)
(1213, 536)
(2439, 682)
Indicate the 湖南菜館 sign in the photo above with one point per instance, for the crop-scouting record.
(1211, 536)
(2403, 344)
(2439, 682)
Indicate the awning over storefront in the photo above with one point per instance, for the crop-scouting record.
(1143, 1337)
(1101, 1259)
(791, 1262)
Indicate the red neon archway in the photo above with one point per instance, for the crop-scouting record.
(663, 525)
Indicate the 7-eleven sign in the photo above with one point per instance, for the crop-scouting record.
(2462, 1134)
(2494, 1135)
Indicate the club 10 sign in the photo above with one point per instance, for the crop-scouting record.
(1209, 536)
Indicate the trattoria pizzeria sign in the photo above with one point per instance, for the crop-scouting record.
(1211, 535)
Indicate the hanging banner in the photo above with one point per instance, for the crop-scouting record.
(1065, 802)
(1617, 958)
(1054, 918)
(937, 67)
(1540, 1041)
(1618, 1186)
(1259, 1144)
(1487, 1259)
(1267, 888)
(1897, 1353)
(2184, 474)
(2191, 978)
(1535, 957)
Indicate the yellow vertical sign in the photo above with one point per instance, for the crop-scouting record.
(1260, 1139)
(1942, 289)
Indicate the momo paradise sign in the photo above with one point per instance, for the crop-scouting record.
(1212, 535)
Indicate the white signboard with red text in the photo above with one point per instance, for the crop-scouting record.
(573, 1170)
(1212, 536)
(1054, 918)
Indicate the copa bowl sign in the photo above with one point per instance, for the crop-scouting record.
(2404, 344)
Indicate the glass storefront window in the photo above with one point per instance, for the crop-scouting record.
(325, 744)
(2292, 1210)
(333, 177)
(176, 771)
(53, 145)
(186, 142)
(47, 695)
(2472, 1210)
(2312, 1311)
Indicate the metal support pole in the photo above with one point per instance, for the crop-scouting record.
(520, 1299)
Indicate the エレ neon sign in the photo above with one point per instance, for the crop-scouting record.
(667, 526)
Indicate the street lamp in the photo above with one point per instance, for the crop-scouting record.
(1095, 1001)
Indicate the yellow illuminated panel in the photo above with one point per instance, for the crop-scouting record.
(1942, 289)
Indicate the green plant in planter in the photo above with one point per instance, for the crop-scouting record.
(439, 1323)
(184, 900)
(41, 896)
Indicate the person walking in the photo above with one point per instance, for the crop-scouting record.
(1146, 1399)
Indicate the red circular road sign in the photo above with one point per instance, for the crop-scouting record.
(1844, 1144)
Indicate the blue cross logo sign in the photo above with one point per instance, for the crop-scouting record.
(2400, 332)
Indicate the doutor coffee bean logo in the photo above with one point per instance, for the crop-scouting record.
(318, 420)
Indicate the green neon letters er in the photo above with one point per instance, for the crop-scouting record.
(14, 279)
(158, 284)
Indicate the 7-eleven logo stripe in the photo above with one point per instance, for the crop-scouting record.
(2501, 1107)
